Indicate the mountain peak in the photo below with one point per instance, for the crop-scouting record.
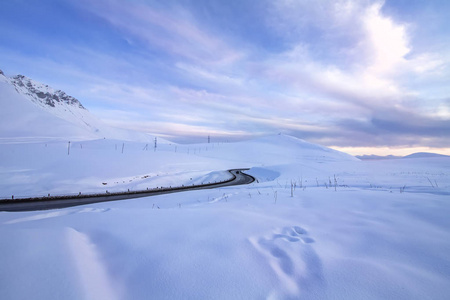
(43, 94)
(35, 111)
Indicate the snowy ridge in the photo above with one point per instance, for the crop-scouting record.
(55, 102)
(36, 111)
(424, 155)
(303, 149)
(43, 94)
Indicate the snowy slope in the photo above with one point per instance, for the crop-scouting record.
(424, 155)
(47, 97)
(35, 111)
(382, 232)
(47, 168)
(22, 118)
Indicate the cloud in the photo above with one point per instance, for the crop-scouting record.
(172, 31)
(335, 72)
(387, 40)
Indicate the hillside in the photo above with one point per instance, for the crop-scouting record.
(32, 111)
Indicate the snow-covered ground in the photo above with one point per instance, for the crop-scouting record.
(346, 229)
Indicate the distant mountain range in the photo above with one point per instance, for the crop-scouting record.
(424, 155)
(414, 155)
(377, 157)
(34, 111)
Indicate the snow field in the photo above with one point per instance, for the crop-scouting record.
(368, 239)
(318, 244)
(39, 169)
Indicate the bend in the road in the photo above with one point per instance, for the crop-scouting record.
(45, 203)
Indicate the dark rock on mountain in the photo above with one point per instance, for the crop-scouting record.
(43, 93)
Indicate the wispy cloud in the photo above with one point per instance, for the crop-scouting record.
(343, 73)
(175, 32)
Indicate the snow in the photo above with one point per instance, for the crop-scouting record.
(316, 224)
(424, 154)
(26, 117)
(380, 231)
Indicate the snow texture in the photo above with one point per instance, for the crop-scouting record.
(380, 231)
(316, 224)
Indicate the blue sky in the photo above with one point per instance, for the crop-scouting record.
(361, 76)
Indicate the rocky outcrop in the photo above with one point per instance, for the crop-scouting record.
(43, 93)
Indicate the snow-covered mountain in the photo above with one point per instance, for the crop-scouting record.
(35, 111)
(424, 155)
(413, 155)
(44, 95)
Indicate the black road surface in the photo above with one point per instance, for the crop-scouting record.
(44, 203)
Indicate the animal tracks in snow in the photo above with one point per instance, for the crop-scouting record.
(289, 252)
(294, 234)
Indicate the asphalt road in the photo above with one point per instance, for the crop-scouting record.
(45, 203)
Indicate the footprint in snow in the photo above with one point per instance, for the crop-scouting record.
(294, 234)
(290, 254)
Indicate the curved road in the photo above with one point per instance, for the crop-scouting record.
(44, 203)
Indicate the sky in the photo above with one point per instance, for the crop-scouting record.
(365, 77)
